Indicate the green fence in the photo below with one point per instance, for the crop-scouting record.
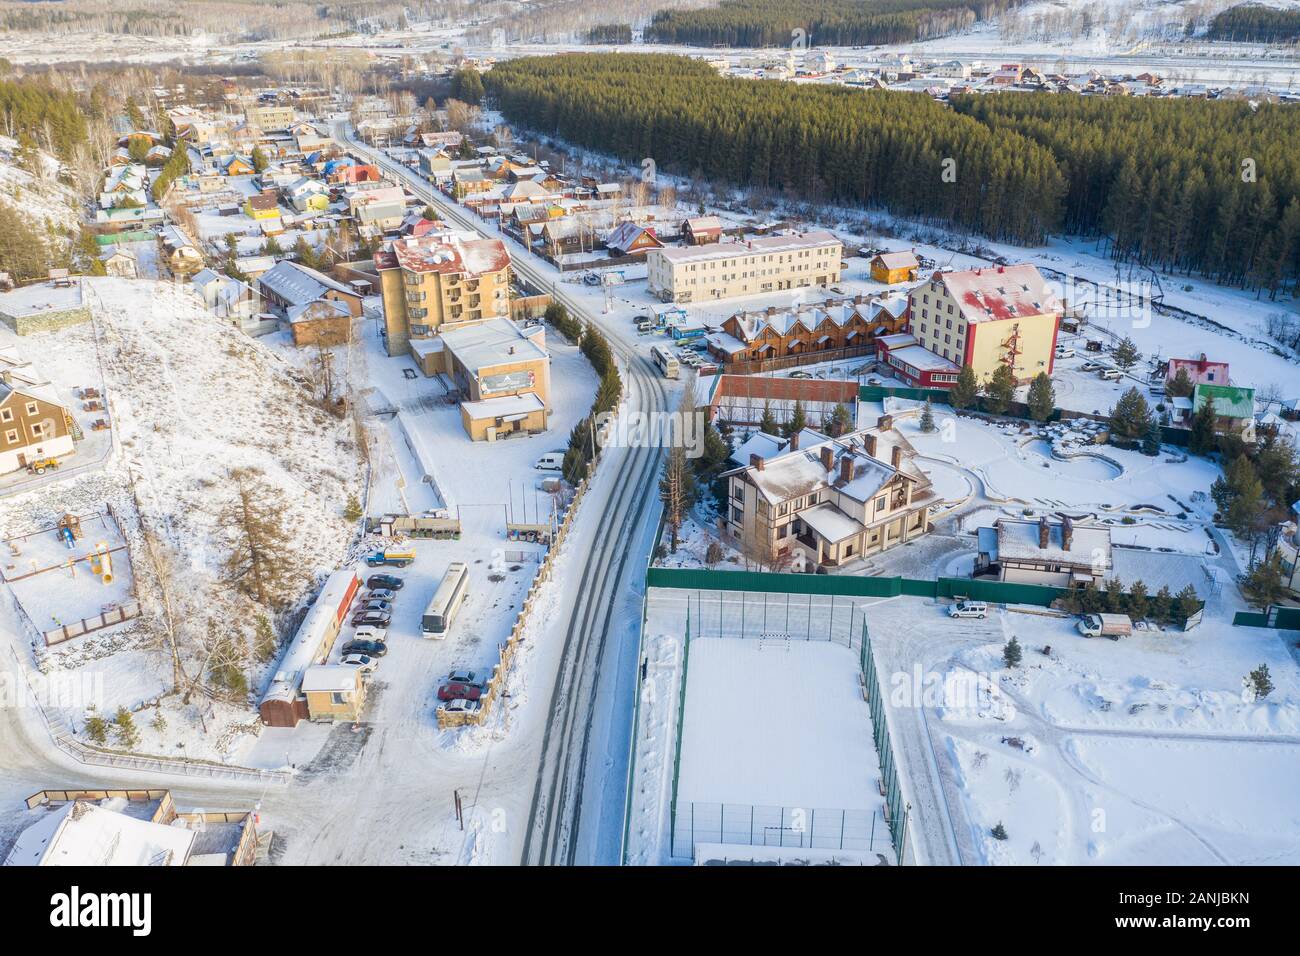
(677, 749)
(1285, 618)
(119, 237)
(896, 810)
(772, 582)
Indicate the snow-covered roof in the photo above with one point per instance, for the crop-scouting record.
(297, 284)
(507, 406)
(82, 833)
(1019, 540)
(765, 246)
(1004, 292)
(494, 342)
(330, 678)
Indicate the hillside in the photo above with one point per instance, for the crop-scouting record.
(198, 410)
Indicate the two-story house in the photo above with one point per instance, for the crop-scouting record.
(33, 425)
(832, 502)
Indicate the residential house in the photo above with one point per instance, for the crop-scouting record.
(315, 308)
(377, 211)
(1234, 409)
(121, 262)
(34, 424)
(138, 827)
(262, 206)
(182, 254)
(701, 230)
(630, 239)
(830, 503)
(894, 267)
(1200, 371)
(307, 195)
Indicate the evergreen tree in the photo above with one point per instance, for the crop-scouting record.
(1151, 439)
(265, 643)
(927, 418)
(97, 730)
(768, 424)
(256, 565)
(1011, 653)
(1259, 682)
(838, 422)
(1114, 596)
(999, 832)
(1180, 386)
(128, 735)
(352, 508)
(1264, 584)
(965, 390)
(1186, 603)
(798, 420)
(1138, 605)
(1162, 605)
(1131, 417)
(259, 159)
(1126, 354)
(1041, 398)
(1203, 428)
(1000, 389)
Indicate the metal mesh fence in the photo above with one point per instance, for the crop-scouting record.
(769, 826)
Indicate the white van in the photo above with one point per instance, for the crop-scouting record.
(968, 609)
(369, 632)
(551, 461)
(1111, 374)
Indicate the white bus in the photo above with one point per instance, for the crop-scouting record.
(665, 359)
(446, 601)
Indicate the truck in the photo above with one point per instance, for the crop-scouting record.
(398, 559)
(1113, 626)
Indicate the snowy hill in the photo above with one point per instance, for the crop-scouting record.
(193, 403)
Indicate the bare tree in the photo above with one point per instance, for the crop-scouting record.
(257, 565)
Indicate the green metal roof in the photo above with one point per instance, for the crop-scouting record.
(1230, 401)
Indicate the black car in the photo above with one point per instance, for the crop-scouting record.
(388, 581)
(372, 648)
(376, 618)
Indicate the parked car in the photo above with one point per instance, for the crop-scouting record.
(368, 605)
(1111, 374)
(800, 375)
(389, 581)
(454, 690)
(551, 461)
(591, 278)
(368, 632)
(968, 609)
(380, 594)
(1091, 367)
(363, 661)
(373, 648)
(466, 677)
(373, 618)
(460, 706)
(1064, 351)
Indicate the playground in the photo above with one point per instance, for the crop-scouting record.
(72, 577)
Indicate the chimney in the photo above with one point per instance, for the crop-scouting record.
(756, 461)
(869, 443)
(1067, 533)
(828, 457)
(1044, 533)
(846, 468)
(896, 457)
(885, 422)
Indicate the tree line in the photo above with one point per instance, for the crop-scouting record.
(772, 23)
(885, 149)
(1256, 23)
(1207, 187)
(34, 110)
(1204, 187)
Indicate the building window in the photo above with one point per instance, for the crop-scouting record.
(338, 699)
(880, 503)
(31, 408)
(6, 415)
(11, 436)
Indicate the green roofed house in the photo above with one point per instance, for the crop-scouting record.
(1234, 406)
